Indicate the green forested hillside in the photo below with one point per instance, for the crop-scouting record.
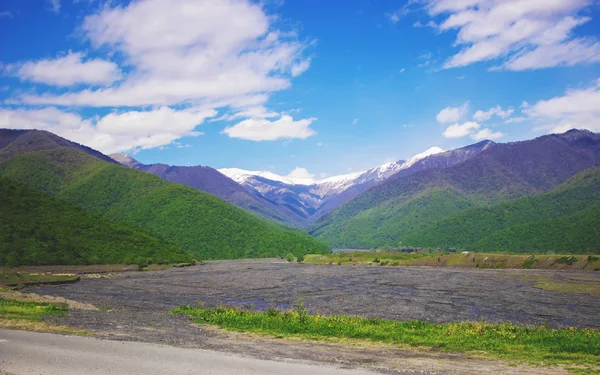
(382, 216)
(200, 223)
(37, 229)
(567, 219)
(406, 206)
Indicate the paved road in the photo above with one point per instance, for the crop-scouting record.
(24, 352)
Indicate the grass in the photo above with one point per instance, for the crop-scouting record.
(572, 285)
(463, 259)
(578, 347)
(31, 311)
(16, 278)
(29, 315)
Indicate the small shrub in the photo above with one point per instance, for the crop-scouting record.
(566, 260)
(290, 257)
(272, 312)
(300, 258)
(376, 260)
(529, 262)
(592, 258)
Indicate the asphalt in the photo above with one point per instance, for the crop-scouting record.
(24, 352)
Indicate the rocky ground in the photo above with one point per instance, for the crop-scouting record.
(134, 306)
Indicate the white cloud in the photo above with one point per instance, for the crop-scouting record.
(115, 132)
(427, 24)
(532, 34)
(265, 130)
(300, 174)
(355, 121)
(195, 55)
(576, 109)
(452, 114)
(483, 116)
(460, 130)
(67, 70)
(197, 51)
(300, 67)
(6, 13)
(55, 4)
(515, 120)
(486, 134)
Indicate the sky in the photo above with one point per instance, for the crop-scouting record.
(307, 88)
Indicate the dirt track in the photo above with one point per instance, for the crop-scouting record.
(138, 302)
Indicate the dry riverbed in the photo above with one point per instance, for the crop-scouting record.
(135, 305)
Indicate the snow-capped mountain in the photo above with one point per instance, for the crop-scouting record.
(312, 199)
(331, 184)
(338, 184)
(241, 175)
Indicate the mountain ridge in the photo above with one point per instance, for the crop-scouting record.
(491, 172)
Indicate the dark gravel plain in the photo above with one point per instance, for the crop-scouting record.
(399, 293)
(135, 305)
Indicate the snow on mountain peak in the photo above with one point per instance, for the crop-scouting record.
(422, 155)
(298, 176)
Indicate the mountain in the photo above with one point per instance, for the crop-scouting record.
(443, 185)
(17, 142)
(566, 219)
(37, 229)
(213, 182)
(310, 199)
(200, 223)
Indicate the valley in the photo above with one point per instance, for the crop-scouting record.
(485, 244)
(300, 187)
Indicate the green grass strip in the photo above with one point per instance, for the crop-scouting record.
(31, 311)
(533, 345)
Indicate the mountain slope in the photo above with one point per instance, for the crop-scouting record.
(382, 216)
(37, 229)
(17, 142)
(201, 223)
(567, 219)
(213, 182)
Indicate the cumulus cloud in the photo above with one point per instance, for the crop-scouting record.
(115, 132)
(482, 116)
(196, 51)
(452, 114)
(197, 56)
(528, 34)
(576, 109)
(265, 130)
(486, 134)
(301, 174)
(67, 70)
(460, 130)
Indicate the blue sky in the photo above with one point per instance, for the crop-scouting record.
(319, 87)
